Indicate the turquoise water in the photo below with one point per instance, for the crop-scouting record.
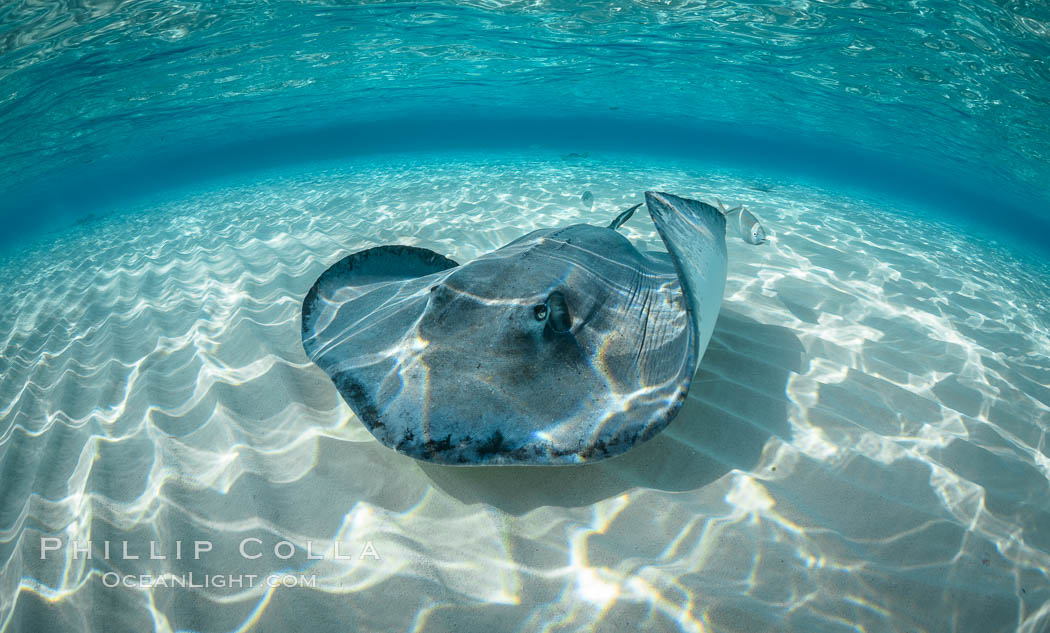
(864, 446)
(944, 100)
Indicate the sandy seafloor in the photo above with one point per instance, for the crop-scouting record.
(864, 448)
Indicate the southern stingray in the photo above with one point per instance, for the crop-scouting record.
(566, 345)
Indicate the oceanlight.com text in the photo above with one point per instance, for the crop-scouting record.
(206, 581)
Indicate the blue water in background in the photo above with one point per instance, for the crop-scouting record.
(864, 446)
(944, 103)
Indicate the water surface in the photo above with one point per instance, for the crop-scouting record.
(864, 446)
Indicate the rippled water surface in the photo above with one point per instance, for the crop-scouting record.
(864, 447)
(960, 87)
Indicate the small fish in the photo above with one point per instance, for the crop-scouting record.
(574, 156)
(744, 223)
(588, 199)
(751, 230)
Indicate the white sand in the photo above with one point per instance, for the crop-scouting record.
(864, 448)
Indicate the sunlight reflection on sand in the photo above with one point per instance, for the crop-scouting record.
(864, 446)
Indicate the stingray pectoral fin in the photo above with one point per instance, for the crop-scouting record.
(623, 217)
(695, 236)
(362, 271)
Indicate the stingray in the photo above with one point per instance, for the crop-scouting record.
(567, 345)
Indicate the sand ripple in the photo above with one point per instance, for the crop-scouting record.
(864, 446)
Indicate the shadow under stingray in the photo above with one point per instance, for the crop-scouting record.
(736, 403)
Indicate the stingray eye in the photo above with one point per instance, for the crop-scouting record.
(540, 311)
(560, 317)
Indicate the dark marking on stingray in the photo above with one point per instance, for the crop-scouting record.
(365, 408)
(492, 445)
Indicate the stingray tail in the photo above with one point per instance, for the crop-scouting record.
(623, 217)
